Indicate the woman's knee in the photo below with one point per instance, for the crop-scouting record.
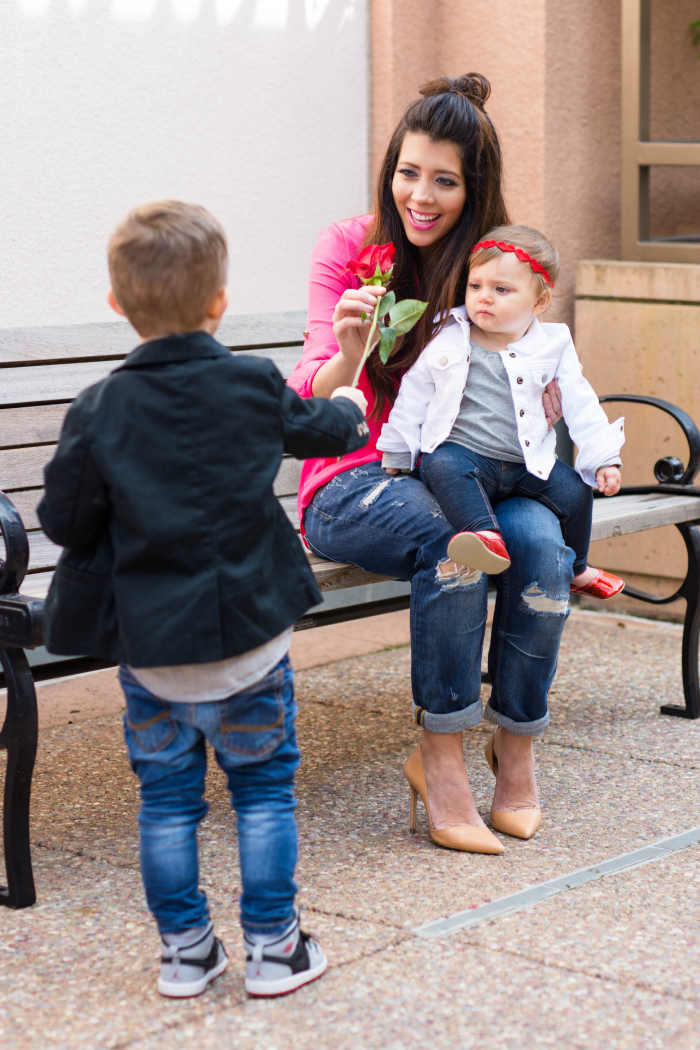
(539, 555)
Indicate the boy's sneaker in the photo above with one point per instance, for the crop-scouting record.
(479, 550)
(279, 965)
(187, 969)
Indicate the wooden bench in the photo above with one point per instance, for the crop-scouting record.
(43, 369)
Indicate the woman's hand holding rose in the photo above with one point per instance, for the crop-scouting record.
(351, 333)
(349, 329)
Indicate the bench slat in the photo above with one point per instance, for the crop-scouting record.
(623, 515)
(26, 503)
(287, 326)
(37, 383)
(63, 342)
(329, 575)
(333, 575)
(285, 357)
(23, 467)
(619, 517)
(43, 553)
(105, 339)
(37, 584)
(33, 384)
(35, 425)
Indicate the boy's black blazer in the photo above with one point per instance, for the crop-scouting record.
(177, 551)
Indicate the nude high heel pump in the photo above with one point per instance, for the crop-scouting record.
(520, 823)
(461, 836)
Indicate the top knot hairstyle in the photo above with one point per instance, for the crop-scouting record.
(474, 87)
(450, 110)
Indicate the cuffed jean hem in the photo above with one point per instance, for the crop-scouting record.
(535, 728)
(453, 722)
(271, 930)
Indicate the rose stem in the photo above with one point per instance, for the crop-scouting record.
(368, 346)
(367, 351)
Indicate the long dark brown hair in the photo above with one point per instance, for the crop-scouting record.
(449, 111)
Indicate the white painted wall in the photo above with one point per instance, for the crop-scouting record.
(257, 109)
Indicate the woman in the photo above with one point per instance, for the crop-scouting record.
(439, 191)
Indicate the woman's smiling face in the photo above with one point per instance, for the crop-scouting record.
(428, 188)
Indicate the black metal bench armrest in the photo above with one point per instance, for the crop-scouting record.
(21, 617)
(14, 567)
(669, 470)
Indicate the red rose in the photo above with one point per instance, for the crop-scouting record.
(371, 257)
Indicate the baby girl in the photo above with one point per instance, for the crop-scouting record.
(471, 410)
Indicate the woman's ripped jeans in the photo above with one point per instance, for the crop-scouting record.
(391, 525)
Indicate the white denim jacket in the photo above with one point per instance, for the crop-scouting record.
(431, 393)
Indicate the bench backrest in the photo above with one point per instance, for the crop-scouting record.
(43, 369)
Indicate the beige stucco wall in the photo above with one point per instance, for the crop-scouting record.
(638, 332)
(554, 71)
(506, 41)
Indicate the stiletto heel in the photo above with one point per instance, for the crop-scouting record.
(519, 823)
(461, 836)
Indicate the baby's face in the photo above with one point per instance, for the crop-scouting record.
(503, 295)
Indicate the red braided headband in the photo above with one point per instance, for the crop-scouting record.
(519, 253)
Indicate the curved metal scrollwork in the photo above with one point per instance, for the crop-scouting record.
(666, 470)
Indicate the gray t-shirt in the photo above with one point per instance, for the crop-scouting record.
(486, 421)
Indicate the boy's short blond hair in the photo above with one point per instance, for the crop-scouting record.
(167, 261)
(532, 241)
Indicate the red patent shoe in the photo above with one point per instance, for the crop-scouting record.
(602, 586)
(479, 550)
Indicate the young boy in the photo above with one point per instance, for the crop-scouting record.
(181, 565)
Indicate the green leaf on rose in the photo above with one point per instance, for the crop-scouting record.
(387, 339)
(405, 314)
(386, 304)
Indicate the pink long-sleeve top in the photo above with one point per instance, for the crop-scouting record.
(329, 278)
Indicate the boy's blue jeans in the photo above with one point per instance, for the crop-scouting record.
(467, 486)
(254, 740)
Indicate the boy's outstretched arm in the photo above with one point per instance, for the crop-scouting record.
(315, 428)
(75, 506)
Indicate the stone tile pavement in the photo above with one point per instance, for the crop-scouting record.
(613, 964)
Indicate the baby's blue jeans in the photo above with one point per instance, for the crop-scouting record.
(468, 486)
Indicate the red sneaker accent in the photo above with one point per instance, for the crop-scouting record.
(602, 586)
(479, 550)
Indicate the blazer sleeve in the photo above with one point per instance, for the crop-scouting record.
(75, 507)
(316, 428)
(402, 431)
(597, 440)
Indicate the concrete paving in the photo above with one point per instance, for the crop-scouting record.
(613, 964)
